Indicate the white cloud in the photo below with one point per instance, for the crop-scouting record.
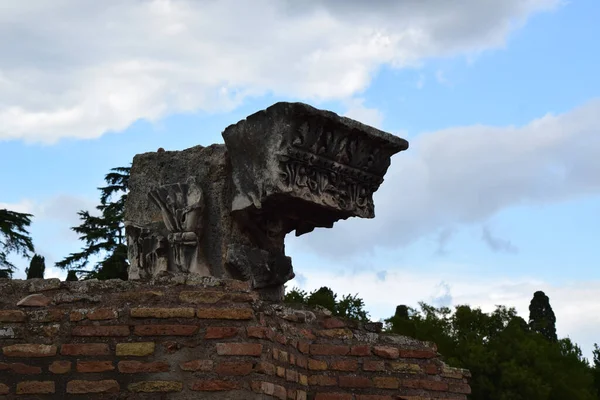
(574, 303)
(465, 175)
(24, 206)
(78, 69)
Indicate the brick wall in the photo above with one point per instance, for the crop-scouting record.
(184, 337)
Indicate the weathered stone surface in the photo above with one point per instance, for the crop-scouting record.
(42, 285)
(34, 300)
(224, 210)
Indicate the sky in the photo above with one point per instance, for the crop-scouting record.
(497, 197)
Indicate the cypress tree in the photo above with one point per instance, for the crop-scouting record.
(37, 267)
(541, 316)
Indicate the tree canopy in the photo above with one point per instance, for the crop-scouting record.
(14, 238)
(349, 306)
(507, 358)
(103, 234)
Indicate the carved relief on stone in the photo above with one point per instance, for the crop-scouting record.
(182, 206)
(288, 168)
(148, 252)
(334, 167)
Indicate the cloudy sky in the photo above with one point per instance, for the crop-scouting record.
(497, 197)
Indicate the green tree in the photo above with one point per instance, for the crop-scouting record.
(596, 368)
(103, 234)
(351, 307)
(14, 238)
(541, 316)
(508, 359)
(37, 267)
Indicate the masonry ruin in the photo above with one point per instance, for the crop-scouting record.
(206, 229)
(224, 210)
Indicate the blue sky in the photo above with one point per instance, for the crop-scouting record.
(497, 197)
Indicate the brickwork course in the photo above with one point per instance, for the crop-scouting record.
(188, 337)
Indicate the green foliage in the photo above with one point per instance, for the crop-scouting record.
(349, 306)
(14, 238)
(596, 368)
(541, 316)
(37, 267)
(508, 359)
(103, 235)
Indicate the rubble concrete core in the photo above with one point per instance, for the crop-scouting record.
(224, 210)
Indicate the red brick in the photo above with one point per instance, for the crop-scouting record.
(165, 330)
(86, 349)
(385, 382)
(196, 365)
(344, 365)
(355, 382)
(369, 365)
(302, 362)
(234, 368)
(270, 389)
(12, 316)
(264, 367)
(322, 380)
(431, 369)
(434, 385)
(213, 385)
(102, 314)
(34, 300)
(386, 352)
(221, 332)
(373, 397)
(281, 339)
(82, 387)
(60, 367)
(332, 323)
(155, 386)
(106, 330)
(291, 375)
(4, 389)
(21, 368)
(459, 388)
(239, 349)
(329, 350)
(76, 315)
(258, 332)
(280, 371)
(35, 387)
(333, 396)
(307, 334)
(303, 347)
(134, 367)
(360, 350)
(29, 350)
(94, 366)
(316, 365)
(225, 313)
(147, 312)
(407, 353)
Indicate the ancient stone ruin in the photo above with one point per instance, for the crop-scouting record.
(206, 230)
(224, 210)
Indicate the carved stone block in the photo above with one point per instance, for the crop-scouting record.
(224, 210)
